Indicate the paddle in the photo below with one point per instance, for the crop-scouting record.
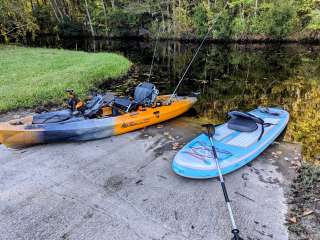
(210, 132)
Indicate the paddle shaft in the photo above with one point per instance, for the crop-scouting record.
(235, 231)
(223, 186)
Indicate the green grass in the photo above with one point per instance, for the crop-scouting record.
(34, 76)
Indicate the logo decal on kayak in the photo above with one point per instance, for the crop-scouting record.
(131, 124)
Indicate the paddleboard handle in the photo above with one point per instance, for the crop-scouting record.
(210, 133)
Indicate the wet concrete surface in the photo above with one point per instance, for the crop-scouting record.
(123, 188)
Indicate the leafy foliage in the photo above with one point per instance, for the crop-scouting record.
(182, 20)
(17, 19)
(123, 23)
(276, 20)
(281, 17)
(70, 28)
(234, 19)
(200, 19)
(314, 23)
(223, 25)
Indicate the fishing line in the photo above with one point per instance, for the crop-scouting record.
(196, 53)
(154, 50)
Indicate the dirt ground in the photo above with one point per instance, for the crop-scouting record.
(304, 204)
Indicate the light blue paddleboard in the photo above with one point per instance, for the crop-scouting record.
(234, 149)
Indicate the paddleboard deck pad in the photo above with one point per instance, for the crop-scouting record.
(235, 148)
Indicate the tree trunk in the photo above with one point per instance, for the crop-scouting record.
(163, 21)
(63, 9)
(54, 11)
(174, 18)
(66, 8)
(256, 8)
(168, 17)
(32, 6)
(89, 18)
(57, 8)
(105, 15)
(112, 4)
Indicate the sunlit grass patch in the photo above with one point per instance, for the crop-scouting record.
(32, 76)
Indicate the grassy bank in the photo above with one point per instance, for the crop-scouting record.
(32, 76)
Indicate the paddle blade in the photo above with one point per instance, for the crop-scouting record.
(207, 125)
(210, 129)
(236, 238)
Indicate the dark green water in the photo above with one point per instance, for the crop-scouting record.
(230, 77)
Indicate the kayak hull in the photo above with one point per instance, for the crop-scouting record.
(234, 149)
(80, 129)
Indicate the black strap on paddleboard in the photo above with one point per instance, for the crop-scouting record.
(262, 129)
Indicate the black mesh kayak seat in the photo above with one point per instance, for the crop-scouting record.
(96, 103)
(245, 122)
(52, 117)
(145, 94)
(123, 103)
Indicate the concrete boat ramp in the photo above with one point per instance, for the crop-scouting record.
(123, 188)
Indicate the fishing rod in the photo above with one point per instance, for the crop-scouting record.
(196, 53)
(187, 69)
(154, 51)
(235, 231)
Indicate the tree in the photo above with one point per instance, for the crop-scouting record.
(89, 18)
(16, 19)
(235, 19)
(314, 24)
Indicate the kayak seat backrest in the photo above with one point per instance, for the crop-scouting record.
(91, 103)
(52, 117)
(124, 103)
(145, 94)
(243, 122)
(94, 105)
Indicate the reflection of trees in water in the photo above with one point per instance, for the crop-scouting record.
(246, 76)
(287, 78)
(304, 105)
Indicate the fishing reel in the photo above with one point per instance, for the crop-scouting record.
(74, 103)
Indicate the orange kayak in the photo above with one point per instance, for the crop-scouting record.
(26, 132)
